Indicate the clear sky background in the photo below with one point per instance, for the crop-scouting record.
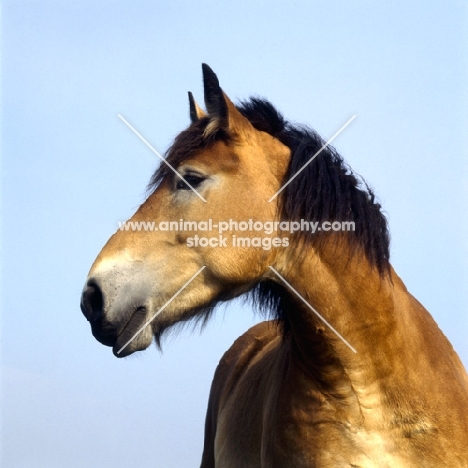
(71, 170)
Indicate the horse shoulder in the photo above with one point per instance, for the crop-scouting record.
(229, 372)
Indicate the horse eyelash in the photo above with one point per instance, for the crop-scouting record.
(193, 179)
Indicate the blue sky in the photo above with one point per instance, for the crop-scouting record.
(71, 170)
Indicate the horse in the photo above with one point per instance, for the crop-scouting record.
(350, 370)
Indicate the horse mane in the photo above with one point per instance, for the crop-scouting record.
(326, 190)
(186, 143)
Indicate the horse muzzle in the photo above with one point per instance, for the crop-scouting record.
(118, 322)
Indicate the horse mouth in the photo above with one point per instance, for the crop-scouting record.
(130, 339)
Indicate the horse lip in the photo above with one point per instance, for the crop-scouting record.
(107, 338)
(128, 332)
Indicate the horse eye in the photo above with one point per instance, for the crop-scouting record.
(193, 180)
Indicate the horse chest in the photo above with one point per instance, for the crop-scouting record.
(262, 429)
(315, 449)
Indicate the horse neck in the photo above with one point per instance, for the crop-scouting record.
(361, 305)
(404, 368)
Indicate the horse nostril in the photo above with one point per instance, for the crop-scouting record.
(92, 302)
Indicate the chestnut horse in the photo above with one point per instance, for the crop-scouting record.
(352, 371)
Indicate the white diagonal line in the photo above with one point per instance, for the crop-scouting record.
(161, 309)
(313, 310)
(158, 155)
(312, 158)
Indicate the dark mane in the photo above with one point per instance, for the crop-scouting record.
(186, 143)
(326, 190)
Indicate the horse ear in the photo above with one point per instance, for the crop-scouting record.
(196, 112)
(221, 110)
